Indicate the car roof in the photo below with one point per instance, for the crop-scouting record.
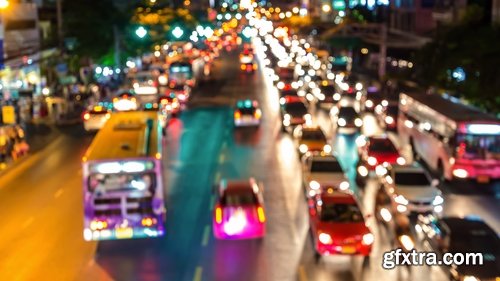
(414, 167)
(237, 186)
(319, 157)
(465, 225)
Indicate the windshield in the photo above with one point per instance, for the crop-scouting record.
(296, 108)
(285, 73)
(478, 146)
(480, 241)
(238, 198)
(102, 183)
(341, 213)
(382, 145)
(348, 113)
(313, 135)
(247, 110)
(392, 110)
(319, 166)
(411, 178)
(327, 90)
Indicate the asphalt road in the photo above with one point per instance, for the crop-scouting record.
(42, 217)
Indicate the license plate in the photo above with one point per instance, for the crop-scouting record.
(483, 179)
(348, 250)
(124, 232)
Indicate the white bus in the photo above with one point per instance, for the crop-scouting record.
(457, 141)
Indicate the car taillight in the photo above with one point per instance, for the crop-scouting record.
(243, 67)
(237, 115)
(260, 214)
(218, 214)
(98, 224)
(147, 221)
(86, 116)
(257, 114)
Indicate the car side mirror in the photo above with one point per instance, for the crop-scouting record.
(435, 182)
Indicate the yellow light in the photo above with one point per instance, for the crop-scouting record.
(218, 215)
(187, 3)
(364, 51)
(261, 215)
(158, 155)
(277, 9)
(326, 8)
(271, 10)
(4, 4)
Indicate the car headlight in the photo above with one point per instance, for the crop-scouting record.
(402, 208)
(325, 238)
(389, 120)
(400, 161)
(282, 100)
(336, 96)
(286, 117)
(314, 185)
(327, 148)
(280, 85)
(362, 171)
(358, 122)
(344, 185)
(307, 116)
(372, 161)
(460, 173)
(321, 96)
(341, 122)
(400, 199)
(407, 242)
(359, 86)
(369, 103)
(303, 148)
(368, 239)
(309, 97)
(438, 200)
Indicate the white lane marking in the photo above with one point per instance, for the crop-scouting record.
(197, 273)
(58, 193)
(28, 222)
(206, 236)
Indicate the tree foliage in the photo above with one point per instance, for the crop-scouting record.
(472, 46)
(91, 23)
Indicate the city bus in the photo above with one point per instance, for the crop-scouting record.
(122, 179)
(457, 141)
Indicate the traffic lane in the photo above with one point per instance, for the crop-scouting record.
(189, 174)
(270, 157)
(42, 214)
(192, 149)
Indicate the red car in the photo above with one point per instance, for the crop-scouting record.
(338, 226)
(376, 150)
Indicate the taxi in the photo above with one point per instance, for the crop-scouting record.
(239, 212)
(311, 139)
(95, 117)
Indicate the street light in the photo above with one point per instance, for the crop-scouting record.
(326, 8)
(141, 32)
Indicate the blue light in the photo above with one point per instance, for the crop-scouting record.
(458, 74)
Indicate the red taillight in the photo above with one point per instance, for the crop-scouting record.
(237, 115)
(260, 214)
(86, 116)
(287, 87)
(218, 214)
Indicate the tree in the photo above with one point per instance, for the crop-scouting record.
(91, 23)
(470, 46)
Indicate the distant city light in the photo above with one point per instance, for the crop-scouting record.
(326, 8)
(177, 32)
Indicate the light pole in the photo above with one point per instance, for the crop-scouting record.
(4, 4)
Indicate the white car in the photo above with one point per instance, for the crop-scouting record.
(411, 189)
(319, 170)
(95, 118)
